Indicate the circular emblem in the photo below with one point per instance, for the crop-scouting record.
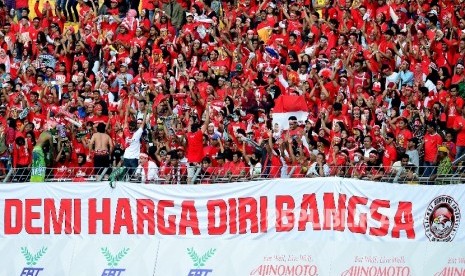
(442, 219)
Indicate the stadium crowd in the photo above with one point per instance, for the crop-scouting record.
(162, 87)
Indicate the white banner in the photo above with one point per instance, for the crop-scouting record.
(379, 258)
(112, 256)
(442, 259)
(404, 212)
(209, 258)
(106, 256)
(35, 256)
(323, 209)
(243, 258)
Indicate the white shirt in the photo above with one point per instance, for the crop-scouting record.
(152, 172)
(255, 170)
(312, 171)
(133, 150)
(184, 161)
(366, 152)
(394, 77)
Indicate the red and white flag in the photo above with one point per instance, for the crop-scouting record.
(287, 106)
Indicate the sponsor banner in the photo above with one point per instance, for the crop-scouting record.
(113, 256)
(105, 256)
(36, 256)
(273, 258)
(283, 209)
(442, 259)
(202, 258)
(380, 258)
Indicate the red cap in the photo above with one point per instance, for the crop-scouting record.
(376, 86)
(359, 127)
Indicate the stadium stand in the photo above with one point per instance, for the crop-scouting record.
(181, 92)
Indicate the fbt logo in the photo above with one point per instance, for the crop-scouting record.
(31, 260)
(200, 262)
(113, 262)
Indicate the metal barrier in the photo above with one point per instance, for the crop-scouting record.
(74, 174)
(226, 174)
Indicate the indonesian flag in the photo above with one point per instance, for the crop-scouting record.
(216, 106)
(287, 106)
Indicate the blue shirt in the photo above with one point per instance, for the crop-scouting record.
(406, 78)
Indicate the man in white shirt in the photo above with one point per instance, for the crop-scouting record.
(319, 168)
(132, 151)
(391, 76)
(147, 169)
(367, 147)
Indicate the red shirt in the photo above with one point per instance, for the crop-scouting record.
(81, 172)
(275, 169)
(459, 124)
(63, 169)
(235, 168)
(21, 156)
(210, 151)
(77, 149)
(432, 142)
(403, 135)
(390, 156)
(452, 150)
(194, 149)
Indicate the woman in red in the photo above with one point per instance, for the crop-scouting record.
(82, 168)
(21, 158)
(64, 165)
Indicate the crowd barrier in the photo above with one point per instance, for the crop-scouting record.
(271, 227)
(217, 175)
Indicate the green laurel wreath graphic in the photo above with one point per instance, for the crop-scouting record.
(114, 260)
(33, 259)
(200, 261)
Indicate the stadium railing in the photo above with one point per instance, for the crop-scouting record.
(216, 175)
(75, 174)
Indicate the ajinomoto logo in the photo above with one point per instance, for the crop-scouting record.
(442, 219)
(113, 261)
(200, 262)
(32, 260)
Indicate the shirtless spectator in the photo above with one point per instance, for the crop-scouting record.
(102, 146)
